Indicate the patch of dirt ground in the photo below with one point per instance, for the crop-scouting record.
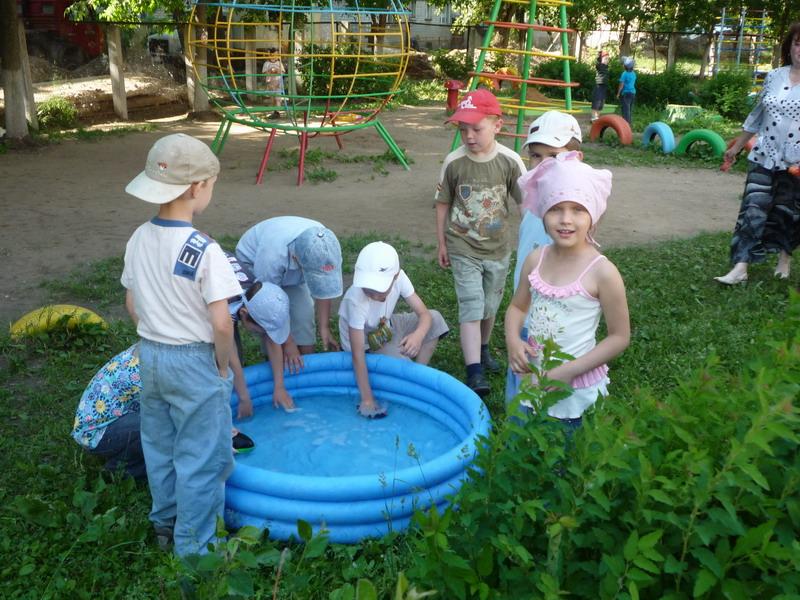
(64, 205)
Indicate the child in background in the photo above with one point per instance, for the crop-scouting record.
(600, 84)
(549, 135)
(626, 92)
(368, 323)
(568, 285)
(273, 79)
(477, 182)
(178, 283)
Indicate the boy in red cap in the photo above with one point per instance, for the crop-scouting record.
(473, 231)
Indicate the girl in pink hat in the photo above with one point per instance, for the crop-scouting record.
(565, 287)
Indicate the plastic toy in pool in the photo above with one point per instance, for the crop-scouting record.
(355, 477)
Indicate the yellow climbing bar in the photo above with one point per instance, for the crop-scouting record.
(528, 52)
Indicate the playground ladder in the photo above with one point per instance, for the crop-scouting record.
(520, 104)
(741, 40)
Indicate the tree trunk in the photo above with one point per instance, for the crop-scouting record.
(30, 101)
(251, 69)
(13, 78)
(116, 66)
(578, 48)
(196, 58)
(672, 49)
(625, 40)
(704, 60)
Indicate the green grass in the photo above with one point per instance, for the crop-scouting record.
(65, 532)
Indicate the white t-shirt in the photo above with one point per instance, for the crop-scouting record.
(360, 312)
(267, 247)
(175, 272)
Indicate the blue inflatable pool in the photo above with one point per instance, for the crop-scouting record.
(355, 477)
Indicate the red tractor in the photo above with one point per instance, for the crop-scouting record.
(52, 36)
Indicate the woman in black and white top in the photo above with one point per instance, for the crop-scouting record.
(769, 217)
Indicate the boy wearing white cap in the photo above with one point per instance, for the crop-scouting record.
(549, 135)
(368, 323)
(304, 258)
(178, 282)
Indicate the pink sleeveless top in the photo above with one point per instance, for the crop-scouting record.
(569, 315)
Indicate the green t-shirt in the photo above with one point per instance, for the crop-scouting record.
(478, 192)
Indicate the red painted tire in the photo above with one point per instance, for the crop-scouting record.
(616, 123)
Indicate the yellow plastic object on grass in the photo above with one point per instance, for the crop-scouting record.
(48, 317)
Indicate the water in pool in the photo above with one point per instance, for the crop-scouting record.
(326, 437)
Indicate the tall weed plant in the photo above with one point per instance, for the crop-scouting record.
(57, 113)
(695, 493)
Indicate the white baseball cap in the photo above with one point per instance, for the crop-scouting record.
(173, 164)
(554, 128)
(376, 266)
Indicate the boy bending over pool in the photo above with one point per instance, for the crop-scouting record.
(367, 322)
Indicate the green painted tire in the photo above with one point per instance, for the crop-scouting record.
(712, 138)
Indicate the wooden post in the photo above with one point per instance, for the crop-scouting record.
(116, 66)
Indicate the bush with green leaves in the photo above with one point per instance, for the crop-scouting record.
(673, 86)
(695, 493)
(317, 65)
(579, 72)
(452, 64)
(727, 93)
(57, 113)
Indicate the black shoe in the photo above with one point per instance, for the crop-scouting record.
(489, 363)
(242, 443)
(275, 115)
(478, 384)
(164, 537)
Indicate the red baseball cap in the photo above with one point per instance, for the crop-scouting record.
(475, 106)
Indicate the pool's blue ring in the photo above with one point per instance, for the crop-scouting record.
(366, 505)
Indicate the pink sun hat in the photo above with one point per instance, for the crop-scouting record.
(566, 178)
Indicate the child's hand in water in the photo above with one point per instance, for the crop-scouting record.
(520, 355)
(282, 399)
(245, 408)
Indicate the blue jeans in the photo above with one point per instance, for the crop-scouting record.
(186, 438)
(626, 106)
(121, 446)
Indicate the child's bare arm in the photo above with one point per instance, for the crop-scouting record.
(324, 319)
(442, 214)
(519, 351)
(611, 293)
(280, 396)
(411, 344)
(240, 385)
(360, 367)
(131, 307)
(223, 334)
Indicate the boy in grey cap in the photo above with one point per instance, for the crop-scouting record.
(178, 282)
(304, 258)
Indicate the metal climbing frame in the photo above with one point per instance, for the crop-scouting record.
(741, 41)
(521, 104)
(342, 65)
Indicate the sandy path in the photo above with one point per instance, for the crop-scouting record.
(64, 204)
